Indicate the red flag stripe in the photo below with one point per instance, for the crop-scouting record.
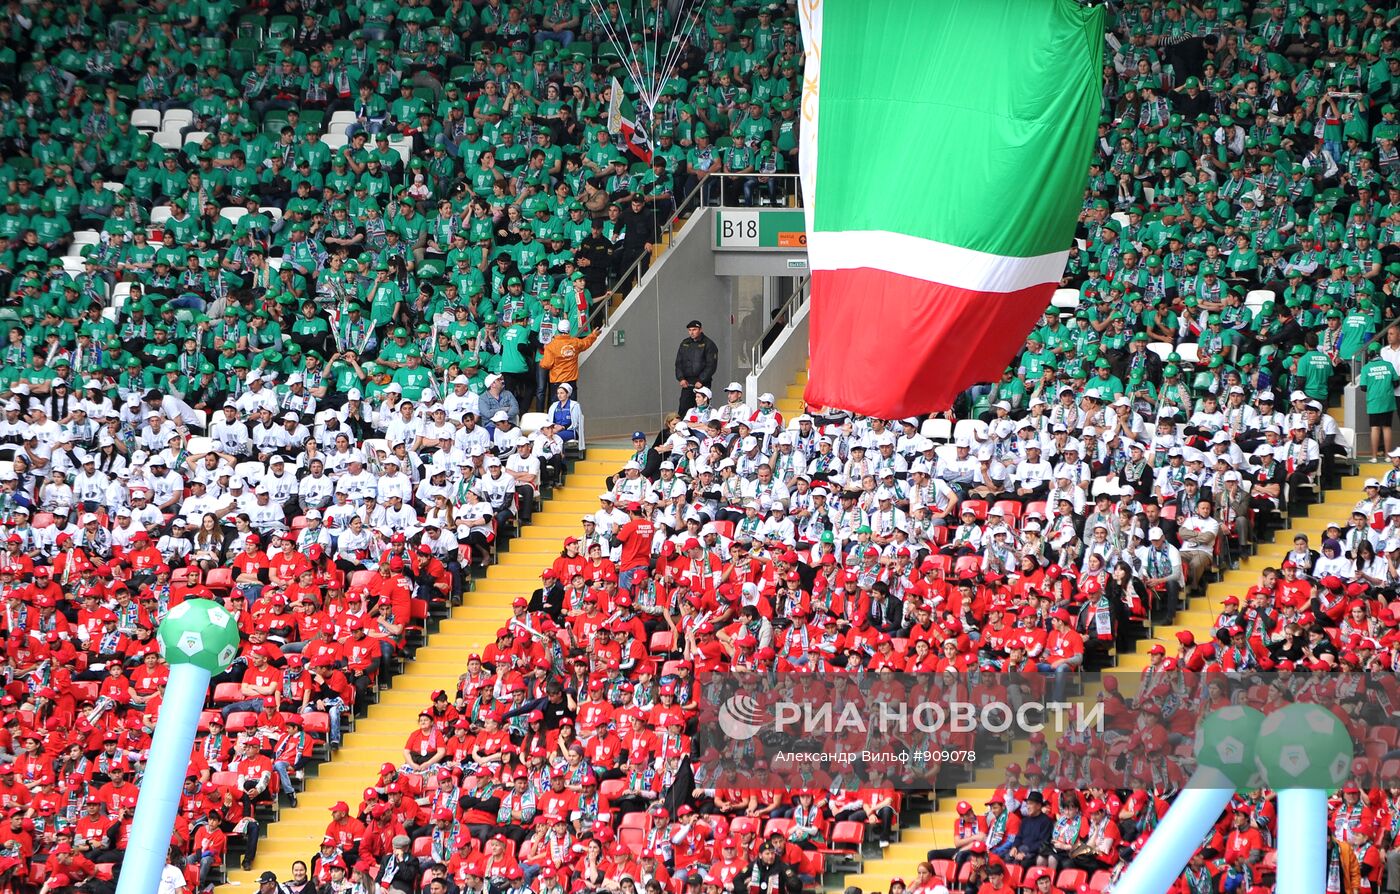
(945, 336)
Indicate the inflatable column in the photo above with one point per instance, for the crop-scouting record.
(198, 639)
(1304, 752)
(1225, 743)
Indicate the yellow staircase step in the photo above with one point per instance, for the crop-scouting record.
(379, 737)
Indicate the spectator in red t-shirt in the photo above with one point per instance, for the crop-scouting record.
(635, 537)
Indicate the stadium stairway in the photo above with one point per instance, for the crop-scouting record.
(790, 404)
(932, 829)
(379, 737)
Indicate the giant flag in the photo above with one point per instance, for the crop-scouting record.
(944, 152)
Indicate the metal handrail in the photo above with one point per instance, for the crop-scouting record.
(785, 317)
(600, 314)
(693, 201)
(795, 191)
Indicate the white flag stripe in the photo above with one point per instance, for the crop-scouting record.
(939, 262)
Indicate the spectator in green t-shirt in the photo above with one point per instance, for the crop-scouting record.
(1378, 379)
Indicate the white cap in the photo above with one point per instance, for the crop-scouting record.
(461, 380)
(393, 388)
(313, 513)
(295, 378)
(734, 386)
(353, 394)
(1155, 534)
(766, 397)
(500, 416)
(1371, 482)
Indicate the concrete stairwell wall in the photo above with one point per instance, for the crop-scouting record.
(631, 386)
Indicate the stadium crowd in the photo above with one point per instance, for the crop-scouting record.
(282, 281)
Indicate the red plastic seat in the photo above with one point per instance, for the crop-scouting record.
(977, 506)
(967, 563)
(778, 824)
(848, 833)
(662, 641)
(1011, 509)
(744, 824)
(239, 721)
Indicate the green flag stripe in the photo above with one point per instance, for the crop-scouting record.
(978, 116)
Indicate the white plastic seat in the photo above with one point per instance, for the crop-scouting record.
(198, 446)
(1256, 298)
(1161, 348)
(251, 471)
(195, 136)
(86, 237)
(273, 212)
(938, 429)
(973, 429)
(232, 215)
(1347, 438)
(335, 141)
(533, 422)
(176, 119)
(168, 139)
(403, 147)
(1066, 299)
(145, 119)
(1190, 351)
(160, 214)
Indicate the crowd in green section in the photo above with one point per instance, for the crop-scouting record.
(333, 190)
(1242, 148)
